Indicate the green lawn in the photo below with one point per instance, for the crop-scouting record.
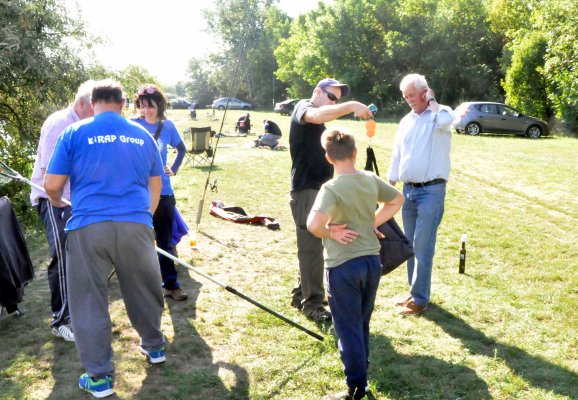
(504, 330)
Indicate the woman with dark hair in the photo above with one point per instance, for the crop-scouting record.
(152, 105)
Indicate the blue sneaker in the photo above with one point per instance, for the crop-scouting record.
(99, 388)
(155, 357)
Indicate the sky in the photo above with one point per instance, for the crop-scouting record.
(130, 30)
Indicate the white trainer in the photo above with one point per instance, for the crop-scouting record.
(64, 331)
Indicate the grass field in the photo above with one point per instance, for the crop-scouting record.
(506, 329)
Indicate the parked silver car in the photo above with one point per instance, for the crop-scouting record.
(475, 117)
(231, 103)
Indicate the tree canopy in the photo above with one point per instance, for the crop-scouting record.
(248, 33)
(519, 51)
(39, 71)
(44, 57)
(523, 52)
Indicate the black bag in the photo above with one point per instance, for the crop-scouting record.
(395, 247)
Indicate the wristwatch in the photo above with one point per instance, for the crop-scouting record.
(431, 99)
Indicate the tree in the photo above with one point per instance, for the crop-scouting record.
(524, 84)
(559, 21)
(39, 73)
(300, 63)
(132, 77)
(539, 55)
(249, 31)
(372, 44)
(199, 87)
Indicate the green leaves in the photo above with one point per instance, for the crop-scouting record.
(243, 65)
(525, 85)
(540, 56)
(39, 72)
(372, 44)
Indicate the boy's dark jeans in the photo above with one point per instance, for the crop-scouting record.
(352, 287)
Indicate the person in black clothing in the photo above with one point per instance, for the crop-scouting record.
(271, 136)
(243, 124)
(309, 171)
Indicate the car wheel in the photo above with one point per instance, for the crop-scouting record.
(534, 132)
(221, 108)
(473, 128)
(245, 108)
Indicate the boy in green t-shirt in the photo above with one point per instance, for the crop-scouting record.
(344, 216)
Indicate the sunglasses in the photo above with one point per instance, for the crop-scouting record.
(148, 89)
(330, 95)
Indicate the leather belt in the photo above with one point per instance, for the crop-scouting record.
(428, 183)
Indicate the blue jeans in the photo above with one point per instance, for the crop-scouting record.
(351, 288)
(422, 213)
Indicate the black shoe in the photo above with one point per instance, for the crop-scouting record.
(319, 314)
(296, 304)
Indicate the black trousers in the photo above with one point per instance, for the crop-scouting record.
(163, 220)
(54, 220)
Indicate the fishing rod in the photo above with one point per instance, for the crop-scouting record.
(233, 91)
(7, 174)
(241, 295)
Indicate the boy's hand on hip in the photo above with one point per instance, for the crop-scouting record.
(341, 234)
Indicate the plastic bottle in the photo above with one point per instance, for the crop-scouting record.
(462, 268)
(193, 239)
(370, 127)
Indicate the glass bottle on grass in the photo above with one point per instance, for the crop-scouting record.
(462, 267)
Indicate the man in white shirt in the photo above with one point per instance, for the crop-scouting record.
(421, 160)
(54, 219)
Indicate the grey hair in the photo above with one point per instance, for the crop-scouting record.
(85, 91)
(417, 80)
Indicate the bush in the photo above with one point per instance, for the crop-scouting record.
(524, 84)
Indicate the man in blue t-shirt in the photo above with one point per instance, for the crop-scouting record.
(114, 167)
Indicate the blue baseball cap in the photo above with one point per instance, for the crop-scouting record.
(332, 82)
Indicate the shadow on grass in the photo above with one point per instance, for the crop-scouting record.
(410, 377)
(32, 359)
(206, 168)
(289, 376)
(189, 372)
(64, 372)
(325, 327)
(510, 136)
(19, 352)
(536, 371)
(216, 240)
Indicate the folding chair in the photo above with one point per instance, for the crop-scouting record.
(201, 149)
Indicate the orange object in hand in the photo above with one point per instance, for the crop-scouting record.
(370, 127)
